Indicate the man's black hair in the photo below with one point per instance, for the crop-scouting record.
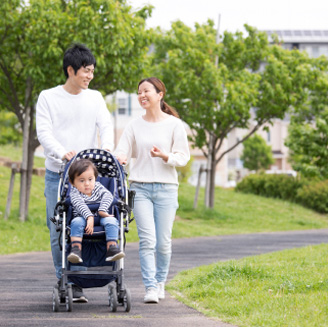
(77, 56)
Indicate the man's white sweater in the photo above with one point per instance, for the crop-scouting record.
(67, 122)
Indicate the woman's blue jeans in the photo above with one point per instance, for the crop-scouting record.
(155, 206)
(51, 194)
(110, 225)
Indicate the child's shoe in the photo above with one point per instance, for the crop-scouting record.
(75, 255)
(114, 253)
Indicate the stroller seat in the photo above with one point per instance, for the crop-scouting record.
(98, 231)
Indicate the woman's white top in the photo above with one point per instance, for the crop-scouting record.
(138, 138)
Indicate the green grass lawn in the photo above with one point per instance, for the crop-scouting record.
(287, 288)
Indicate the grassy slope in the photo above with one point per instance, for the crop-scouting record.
(287, 288)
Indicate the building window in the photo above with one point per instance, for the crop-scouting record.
(268, 137)
(315, 52)
(121, 111)
(122, 106)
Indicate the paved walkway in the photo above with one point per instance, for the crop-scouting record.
(26, 282)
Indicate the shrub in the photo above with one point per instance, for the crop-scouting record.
(314, 195)
(310, 193)
(271, 185)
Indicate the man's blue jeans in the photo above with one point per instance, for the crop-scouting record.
(51, 194)
(155, 206)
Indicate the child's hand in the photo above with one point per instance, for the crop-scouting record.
(90, 224)
(103, 214)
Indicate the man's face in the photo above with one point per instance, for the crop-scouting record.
(83, 76)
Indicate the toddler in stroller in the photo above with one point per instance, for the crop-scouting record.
(102, 239)
(86, 190)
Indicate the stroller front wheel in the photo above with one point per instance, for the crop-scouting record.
(112, 295)
(127, 300)
(55, 299)
(69, 298)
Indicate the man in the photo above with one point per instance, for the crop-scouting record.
(67, 120)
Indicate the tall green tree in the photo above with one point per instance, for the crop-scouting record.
(34, 35)
(257, 154)
(308, 131)
(242, 82)
(308, 146)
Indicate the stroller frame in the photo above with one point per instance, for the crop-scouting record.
(117, 292)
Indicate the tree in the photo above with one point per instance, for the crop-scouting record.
(308, 145)
(34, 35)
(308, 131)
(215, 98)
(257, 155)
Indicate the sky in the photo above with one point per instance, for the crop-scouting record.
(262, 14)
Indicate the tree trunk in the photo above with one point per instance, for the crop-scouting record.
(31, 150)
(212, 182)
(208, 172)
(23, 181)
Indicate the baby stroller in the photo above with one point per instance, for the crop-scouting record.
(94, 271)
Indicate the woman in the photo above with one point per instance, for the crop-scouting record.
(158, 143)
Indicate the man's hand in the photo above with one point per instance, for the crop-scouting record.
(69, 155)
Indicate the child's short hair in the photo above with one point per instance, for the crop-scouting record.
(78, 167)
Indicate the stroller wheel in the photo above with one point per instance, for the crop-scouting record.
(127, 300)
(69, 298)
(55, 299)
(112, 297)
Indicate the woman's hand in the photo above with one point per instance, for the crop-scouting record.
(156, 152)
(122, 159)
(90, 225)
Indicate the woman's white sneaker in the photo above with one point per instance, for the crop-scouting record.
(161, 290)
(151, 295)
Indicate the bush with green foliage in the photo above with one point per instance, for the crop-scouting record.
(271, 185)
(310, 193)
(314, 195)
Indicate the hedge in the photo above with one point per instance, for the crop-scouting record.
(310, 193)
